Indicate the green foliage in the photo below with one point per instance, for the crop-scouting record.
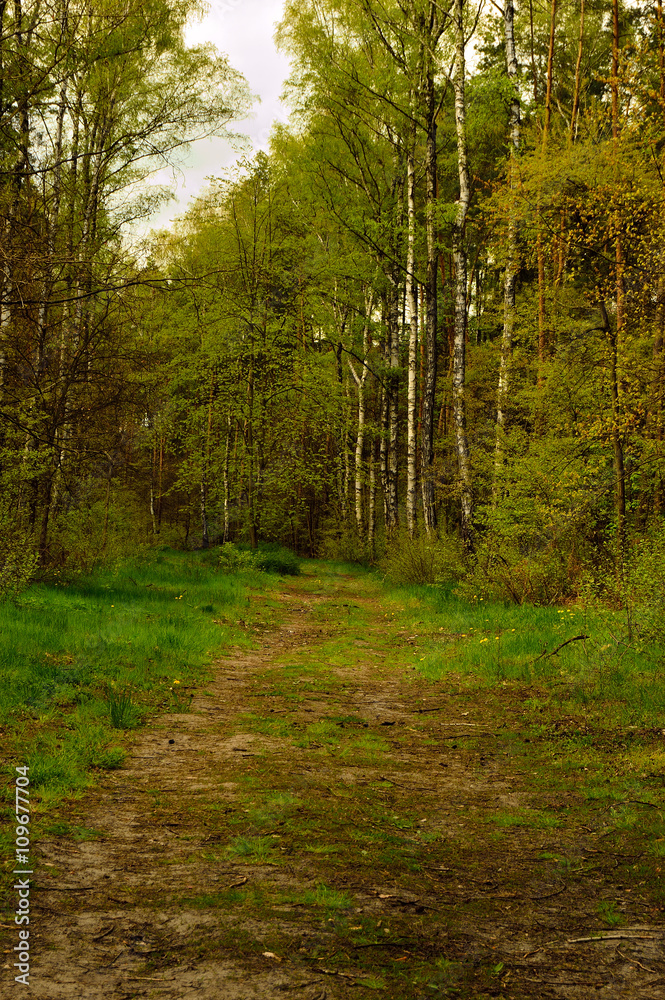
(502, 571)
(18, 559)
(83, 658)
(269, 557)
(275, 559)
(644, 589)
(232, 559)
(122, 711)
(422, 559)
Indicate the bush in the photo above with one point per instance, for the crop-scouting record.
(232, 559)
(18, 561)
(422, 559)
(277, 560)
(344, 545)
(644, 589)
(502, 572)
(269, 558)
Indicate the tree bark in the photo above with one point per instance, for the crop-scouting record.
(510, 275)
(393, 407)
(460, 258)
(428, 387)
(360, 381)
(412, 304)
(578, 69)
(617, 441)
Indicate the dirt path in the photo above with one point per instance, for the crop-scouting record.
(322, 824)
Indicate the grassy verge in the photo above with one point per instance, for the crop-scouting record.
(84, 662)
(577, 658)
(588, 715)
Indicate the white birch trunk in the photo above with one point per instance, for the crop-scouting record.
(511, 259)
(412, 301)
(459, 255)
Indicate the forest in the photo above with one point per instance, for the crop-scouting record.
(332, 518)
(425, 330)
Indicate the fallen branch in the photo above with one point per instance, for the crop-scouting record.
(633, 961)
(334, 972)
(64, 888)
(104, 933)
(611, 936)
(234, 885)
(150, 979)
(575, 638)
(549, 895)
(465, 736)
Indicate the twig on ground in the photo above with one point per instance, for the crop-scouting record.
(549, 895)
(575, 638)
(465, 736)
(633, 961)
(612, 936)
(104, 933)
(65, 888)
(234, 885)
(150, 979)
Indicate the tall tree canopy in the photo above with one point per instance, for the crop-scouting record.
(436, 306)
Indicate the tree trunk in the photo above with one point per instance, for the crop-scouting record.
(428, 385)
(227, 449)
(617, 442)
(578, 68)
(658, 394)
(460, 258)
(511, 258)
(543, 345)
(360, 381)
(371, 502)
(393, 406)
(412, 304)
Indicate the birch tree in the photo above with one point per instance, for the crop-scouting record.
(460, 258)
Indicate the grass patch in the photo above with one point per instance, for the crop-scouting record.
(525, 817)
(329, 899)
(86, 659)
(606, 674)
(253, 850)
(122, 710)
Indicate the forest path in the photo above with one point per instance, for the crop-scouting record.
(323, 824)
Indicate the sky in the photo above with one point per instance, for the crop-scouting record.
(243, 30)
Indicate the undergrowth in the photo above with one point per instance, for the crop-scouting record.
(580, 657)
(83, 659)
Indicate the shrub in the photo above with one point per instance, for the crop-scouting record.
(422, 559)
(232, 559)
(277, 560)
(500, 571)
(270, 558)
(644, 588)
(344, 544)
(18, 561)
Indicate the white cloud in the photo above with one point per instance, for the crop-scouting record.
(243, 30)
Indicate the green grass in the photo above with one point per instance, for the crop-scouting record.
(253, 850)
(82, 660)
(329, 899)
(606, 674)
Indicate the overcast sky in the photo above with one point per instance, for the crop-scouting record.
(243, 30)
